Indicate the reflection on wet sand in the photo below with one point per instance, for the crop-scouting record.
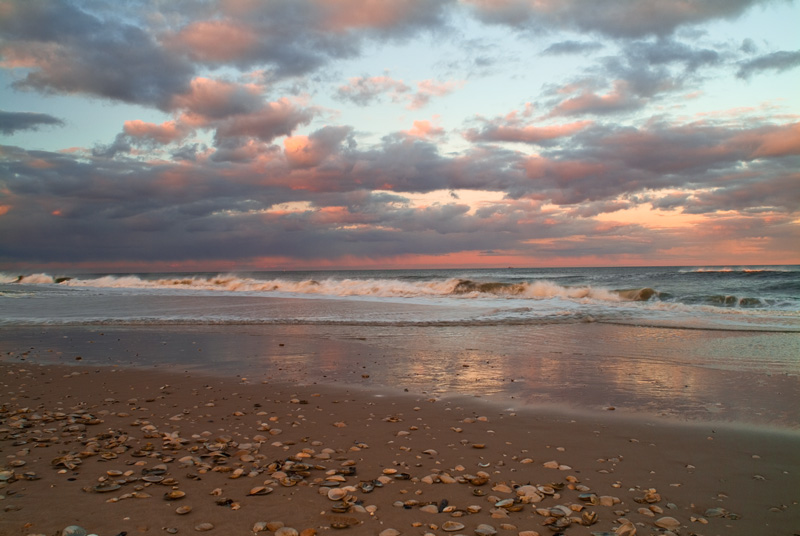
(688, 374)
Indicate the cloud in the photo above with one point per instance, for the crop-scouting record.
(296, 37)
(613, 18)
(780, 61)
(107, 58)
(11, 122)
(572, 47)
(620, 99)
(278, 118)
(364, 90)
(424, 129)
(165, 133)
(514, 127)
(311, 151)
(427, 89)
(207, 99)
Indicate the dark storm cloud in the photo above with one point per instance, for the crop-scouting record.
(11, 122)
(780, 61)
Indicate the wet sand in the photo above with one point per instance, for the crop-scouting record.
(80, 443)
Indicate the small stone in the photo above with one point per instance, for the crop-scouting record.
(260, 526)
(286, 531)
(272, 526)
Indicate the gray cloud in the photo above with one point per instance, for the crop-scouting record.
(782, 60)
(11, 122)
(572, 47)
(69, 50)
(613, 18)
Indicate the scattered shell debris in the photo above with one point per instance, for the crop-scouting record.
(117, 450)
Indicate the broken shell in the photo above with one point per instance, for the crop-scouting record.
(260, 490)
(104, 488)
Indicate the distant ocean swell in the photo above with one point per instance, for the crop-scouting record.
(452, 287)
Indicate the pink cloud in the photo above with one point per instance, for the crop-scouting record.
(431, 88)
(345, 15)
(210, 99)
(619, 98)
(424, 129)
(215, 40)
(767, 142)
(164, 133)
(525, 134)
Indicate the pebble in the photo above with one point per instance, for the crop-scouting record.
(286, 531)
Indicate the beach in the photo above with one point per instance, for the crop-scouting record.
(99, 427)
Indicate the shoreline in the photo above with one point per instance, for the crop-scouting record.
(188, 422)
(638, 371)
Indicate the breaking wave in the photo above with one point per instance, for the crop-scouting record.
(453, 287)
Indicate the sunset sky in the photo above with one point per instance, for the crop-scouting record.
(248, 134)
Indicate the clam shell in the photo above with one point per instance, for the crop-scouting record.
(183, 510)
(337, 494)
(452, 526)
(174, 495)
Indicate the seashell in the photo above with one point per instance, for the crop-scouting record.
(485, 530)
(174, 495)
(183, 510)
(153, 478)
(366, 487)
(626, 529)
(105, 487)
(668, 523)
(588, 518)
(337, 494)
(452, 526)
(504, 503)
(341, 507)
(203, 527)
(342, 522)
(260, 490)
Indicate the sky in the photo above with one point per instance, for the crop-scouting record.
(209, 135)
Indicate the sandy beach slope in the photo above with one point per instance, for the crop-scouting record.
(121, 450)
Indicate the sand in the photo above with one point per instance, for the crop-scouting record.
(77, 442)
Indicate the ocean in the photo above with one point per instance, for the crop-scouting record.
(694, 343)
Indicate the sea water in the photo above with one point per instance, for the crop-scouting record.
(765, 298)
(693, 343)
